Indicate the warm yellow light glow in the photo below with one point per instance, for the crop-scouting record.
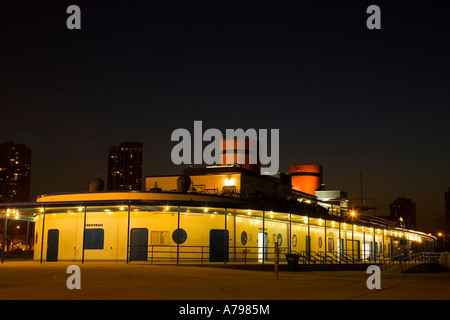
(167, 208)
(271, 214)
(229, 182)
(205, 209)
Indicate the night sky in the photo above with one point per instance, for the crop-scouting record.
(352, 99)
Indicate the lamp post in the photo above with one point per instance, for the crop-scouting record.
(351, 215)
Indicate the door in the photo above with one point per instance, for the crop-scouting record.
(218, 245)
(263, 242)
(52, 244)
(138, 244)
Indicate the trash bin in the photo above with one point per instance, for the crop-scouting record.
(292, 260)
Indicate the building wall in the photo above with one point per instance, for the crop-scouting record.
(245, 230)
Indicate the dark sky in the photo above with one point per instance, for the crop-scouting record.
(352, 99)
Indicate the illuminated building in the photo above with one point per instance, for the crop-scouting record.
(125, 166)
(15, 167)
(204, 216)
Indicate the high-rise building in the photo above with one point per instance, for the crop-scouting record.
(125, 166)
(15, 168)
(403, 211)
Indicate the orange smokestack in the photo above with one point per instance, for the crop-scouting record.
(245, 152)
(306, 178)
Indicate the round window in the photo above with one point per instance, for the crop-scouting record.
(279, 239)
(179, 236)
(294, 240)
(320, 242)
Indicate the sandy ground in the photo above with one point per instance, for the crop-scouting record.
(106, 281)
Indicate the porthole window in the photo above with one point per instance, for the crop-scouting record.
(294, 240)
(244, 238)
(179, 236)
(279, 239)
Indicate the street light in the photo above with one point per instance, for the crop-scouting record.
(440, 234)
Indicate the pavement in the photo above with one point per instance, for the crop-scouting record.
(140, 281)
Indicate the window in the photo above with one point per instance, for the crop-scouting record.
(179, 236)
(244, 238)
(160, 237)
(94, 239)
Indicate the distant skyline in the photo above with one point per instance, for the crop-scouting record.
(351, 99)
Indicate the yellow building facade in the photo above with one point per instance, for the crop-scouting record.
(172, 227)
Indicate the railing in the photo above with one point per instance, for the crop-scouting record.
(204, 254)
(252, 255)
(404, 262)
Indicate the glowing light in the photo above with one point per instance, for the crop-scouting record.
(229, 182)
